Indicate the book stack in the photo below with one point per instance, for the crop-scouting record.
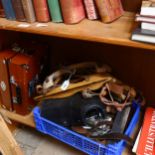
(146, 18)
(58, 11)
(145, 143)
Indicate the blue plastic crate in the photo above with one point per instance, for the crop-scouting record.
(81, 142)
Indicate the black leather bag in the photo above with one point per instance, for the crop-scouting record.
(72, 110)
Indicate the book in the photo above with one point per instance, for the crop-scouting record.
(41, 10)
(90, 8)
(109, 10)
(2, 14)
(148, 8)
(55, 11)
(143, 35)
(29, 11)
(18, 8)
(8, 9)
(148, 19)
(148, 26)
(134, 149)
(72, 11)
(146, 145)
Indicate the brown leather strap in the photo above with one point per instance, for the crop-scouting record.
(112, 102)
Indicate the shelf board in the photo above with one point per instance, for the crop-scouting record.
(118, 32)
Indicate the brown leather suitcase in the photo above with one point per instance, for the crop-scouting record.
(24, 70)
(19, 74)
(5, 94)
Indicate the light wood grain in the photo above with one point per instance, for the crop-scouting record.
(118, 32)
(26, 120)
(8, 145)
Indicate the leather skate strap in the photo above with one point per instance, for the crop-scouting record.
(114, 136)
(81, 69)
(121, 120)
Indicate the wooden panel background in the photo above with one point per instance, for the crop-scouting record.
(7, 38)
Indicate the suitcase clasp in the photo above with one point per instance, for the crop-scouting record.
(3, 86)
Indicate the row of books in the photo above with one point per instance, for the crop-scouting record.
(146, 19)
(67, 11)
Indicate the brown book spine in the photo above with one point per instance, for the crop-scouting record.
(109, 10)
(72, 11)
(41, 10)
(2, 14)
(18, 8)
(90, 9)
(29, 11)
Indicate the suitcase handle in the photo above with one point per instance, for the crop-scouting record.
(18, 98)
(18, 95)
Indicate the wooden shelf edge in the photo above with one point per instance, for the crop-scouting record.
(117, 33)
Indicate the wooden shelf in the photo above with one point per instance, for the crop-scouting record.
(118, 32)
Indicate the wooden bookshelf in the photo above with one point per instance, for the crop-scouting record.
(118, 32)
(134, 66)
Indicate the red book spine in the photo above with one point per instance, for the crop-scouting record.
(90, 9)
(146, 145)
(41, 10)
(2, 14)
(72, 11)
(109, 10)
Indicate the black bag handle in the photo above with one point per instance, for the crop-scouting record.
(114, 136)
